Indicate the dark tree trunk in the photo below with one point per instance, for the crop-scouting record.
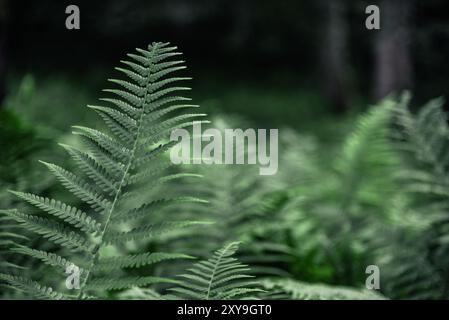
(334, 52)
(393, 62)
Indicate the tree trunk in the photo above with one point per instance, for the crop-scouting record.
(393, 63)
(334, 52)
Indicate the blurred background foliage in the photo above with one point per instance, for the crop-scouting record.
(356, 185)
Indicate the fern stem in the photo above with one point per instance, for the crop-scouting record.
(140, 123)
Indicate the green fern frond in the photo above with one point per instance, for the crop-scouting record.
(37, 290)
(147, 231)
(9, 237)
(136, 261)
(113, 283)
(423, 141)
(415, 254)
(238, 203)
(367, 158)
(80, 188)
(48, 258)
(139, 113)
(345, 198)
(53, 231)
(63, 211)
(220, 277)
(104, 178)
(148, 208)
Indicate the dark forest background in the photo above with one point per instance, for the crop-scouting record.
(320, 48)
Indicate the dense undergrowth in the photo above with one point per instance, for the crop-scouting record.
(140, 228)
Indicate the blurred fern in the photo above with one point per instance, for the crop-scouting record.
(243, 205)
(415, 260)
(340, 205)
(287, 289)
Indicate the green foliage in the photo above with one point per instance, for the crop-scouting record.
(20, 144)
(422, 140)
(296, 290)
(221, 277)
(416, 255)
(139, 117)
(242, 206)
(383, 202)
(8, 235)
(342, 198)
(375, 195)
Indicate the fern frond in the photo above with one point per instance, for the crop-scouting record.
(162, 102)
(423, 141)
(138, 116)
(123, 282)
(296, 290)
(415, 254)
(339, 215)
(114, 167)
(69, 214)
(53, 231)
(48, 258)
(147, 208)
(160, 131)
(128, 109)
(79, 187)
(32, 287)
(101, 176)
(137, 260)
(161, 112)
(120, 124)
(128, 97)
(147, 231)
(135, 89)
(237, 201)
(220, 277)
(151, 171)
(115, 148)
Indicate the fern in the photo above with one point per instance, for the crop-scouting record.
(296, 290)
(221, 277)
(414, 255)
(243, 206)
(341, 201)
(140, 115)
(137, 293)
(384, 203)
(423, 142)
(8, 236)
